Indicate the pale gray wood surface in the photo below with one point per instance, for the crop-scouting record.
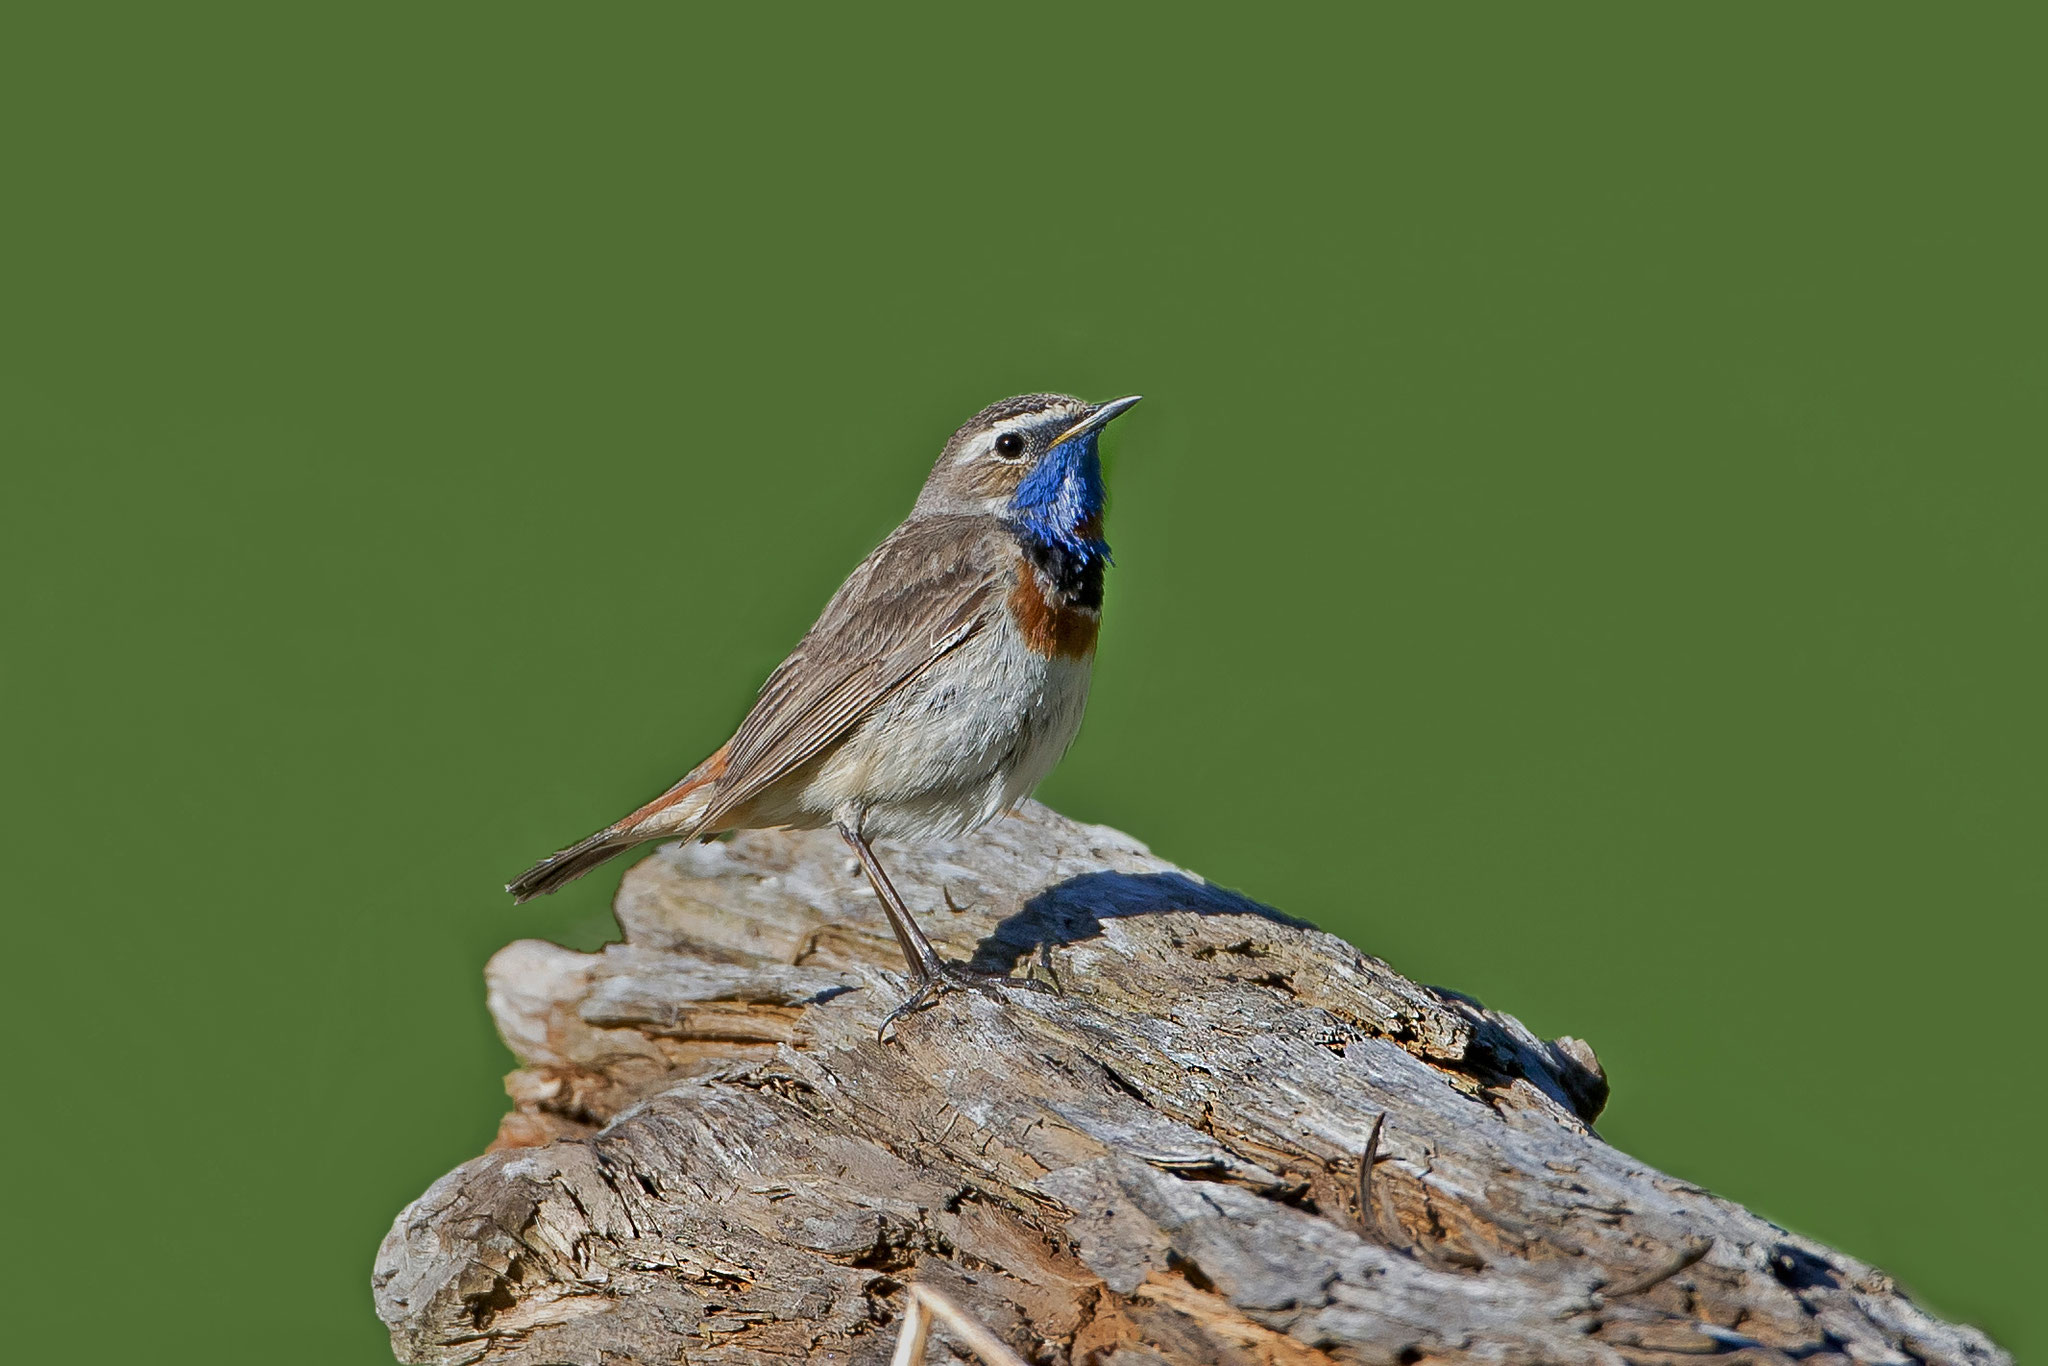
(711, 1158)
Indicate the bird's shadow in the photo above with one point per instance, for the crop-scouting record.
(1071, 911)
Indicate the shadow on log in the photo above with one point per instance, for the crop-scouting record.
(1223, 1136)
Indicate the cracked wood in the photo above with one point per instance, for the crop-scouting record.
(710, 1158)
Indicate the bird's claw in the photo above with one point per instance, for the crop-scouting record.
(946, 979)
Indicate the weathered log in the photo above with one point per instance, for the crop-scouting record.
(1213, 1134)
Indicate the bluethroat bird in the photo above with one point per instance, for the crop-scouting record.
(944, 680)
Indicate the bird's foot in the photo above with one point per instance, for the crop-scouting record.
(945, 979)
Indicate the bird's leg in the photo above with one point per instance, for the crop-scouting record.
(924, 960)
(935, 976)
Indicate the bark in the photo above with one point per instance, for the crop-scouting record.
(1216, 1134)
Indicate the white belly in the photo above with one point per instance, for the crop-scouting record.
(960, 746)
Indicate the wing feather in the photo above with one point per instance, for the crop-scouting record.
(933, 584)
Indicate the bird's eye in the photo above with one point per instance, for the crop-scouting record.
(1009, 445)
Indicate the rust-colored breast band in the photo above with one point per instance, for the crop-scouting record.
(1054, 632)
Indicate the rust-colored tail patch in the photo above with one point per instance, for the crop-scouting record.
(710, 771)
(559, 869)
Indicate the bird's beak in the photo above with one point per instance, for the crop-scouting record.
(1097, 417)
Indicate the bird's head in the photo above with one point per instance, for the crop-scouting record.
(1032, 462)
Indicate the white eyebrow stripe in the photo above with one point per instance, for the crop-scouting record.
(1057, 418)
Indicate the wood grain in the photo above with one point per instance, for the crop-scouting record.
(711, 1159)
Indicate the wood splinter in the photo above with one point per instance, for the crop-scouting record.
(1368, 1218)
(1692, 1250)
(926, 1305)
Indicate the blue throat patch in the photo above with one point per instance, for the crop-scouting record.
(1060, 496)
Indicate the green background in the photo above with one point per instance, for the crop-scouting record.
(1582, 542)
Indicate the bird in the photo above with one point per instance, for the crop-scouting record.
(941, 684)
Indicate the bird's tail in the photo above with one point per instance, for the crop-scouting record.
(559, 869)
(676, 813)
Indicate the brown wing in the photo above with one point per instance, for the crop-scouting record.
(931, 585)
